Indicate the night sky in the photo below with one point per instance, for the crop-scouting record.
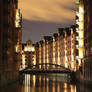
(43, 17)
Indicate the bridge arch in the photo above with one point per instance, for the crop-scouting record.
(47, 67)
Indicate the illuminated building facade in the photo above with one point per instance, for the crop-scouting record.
(45, 50)
(55, 48)
(84, 15)
(61, 46)
(40, 52)
(80, 32)
(47, 45)
(18, 37)
(37, 52)
(67, 47)
(28, 55)
(50, 49)
(84, 29)
(59, 49)
(8, 40)
(73, 48)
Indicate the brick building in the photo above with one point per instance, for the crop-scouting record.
(28, 55)
(8, 40)
(59, 49)
(84, 16)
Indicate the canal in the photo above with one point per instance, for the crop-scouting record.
(45, 83)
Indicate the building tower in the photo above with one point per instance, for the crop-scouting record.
(8, 40)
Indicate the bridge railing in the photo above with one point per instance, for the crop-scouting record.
(47, 66)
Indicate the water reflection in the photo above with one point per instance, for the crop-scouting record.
(43, 83)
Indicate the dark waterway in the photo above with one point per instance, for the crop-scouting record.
(45, 83)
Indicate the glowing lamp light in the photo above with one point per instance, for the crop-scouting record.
(34, 80)
(34, 63)
(80, 17)
(79, 62)
(29, 49)
(18, 18)
(81, 25)
(81, 10)
(59, 60)
(32, 49)
(65, 85)
(16, 48)
(25, 49)
(72, 88)
(81, 43)
(81, 34)
(80, 52)
(66, 62)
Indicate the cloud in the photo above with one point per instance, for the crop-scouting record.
(43, 17)
(58, 11)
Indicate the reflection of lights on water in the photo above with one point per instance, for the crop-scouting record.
(73, 88)
(40, 78)
(27, 80)
(53, 87)
(58, 88)
(27, 83)
(47, 79)
(34, 80)
(53, 79)
(44, 78)
(65, 90)
(45, 84)
(65, 85)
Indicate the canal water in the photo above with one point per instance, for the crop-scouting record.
(45, 83)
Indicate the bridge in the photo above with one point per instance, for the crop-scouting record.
(46, 68)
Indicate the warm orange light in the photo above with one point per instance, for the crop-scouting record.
(34, 80)
(80, 52)
(81, 43)
(25, 49)
(81, 17)
(33, 49)
(81, 25)
(72, 88)
(23, 60)
(80, 31)
(16, 48)
(81, 34)
(66, 65)
(53, 50)
(81, 9)
(65, 85)
(29, 48)
(18, 18)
